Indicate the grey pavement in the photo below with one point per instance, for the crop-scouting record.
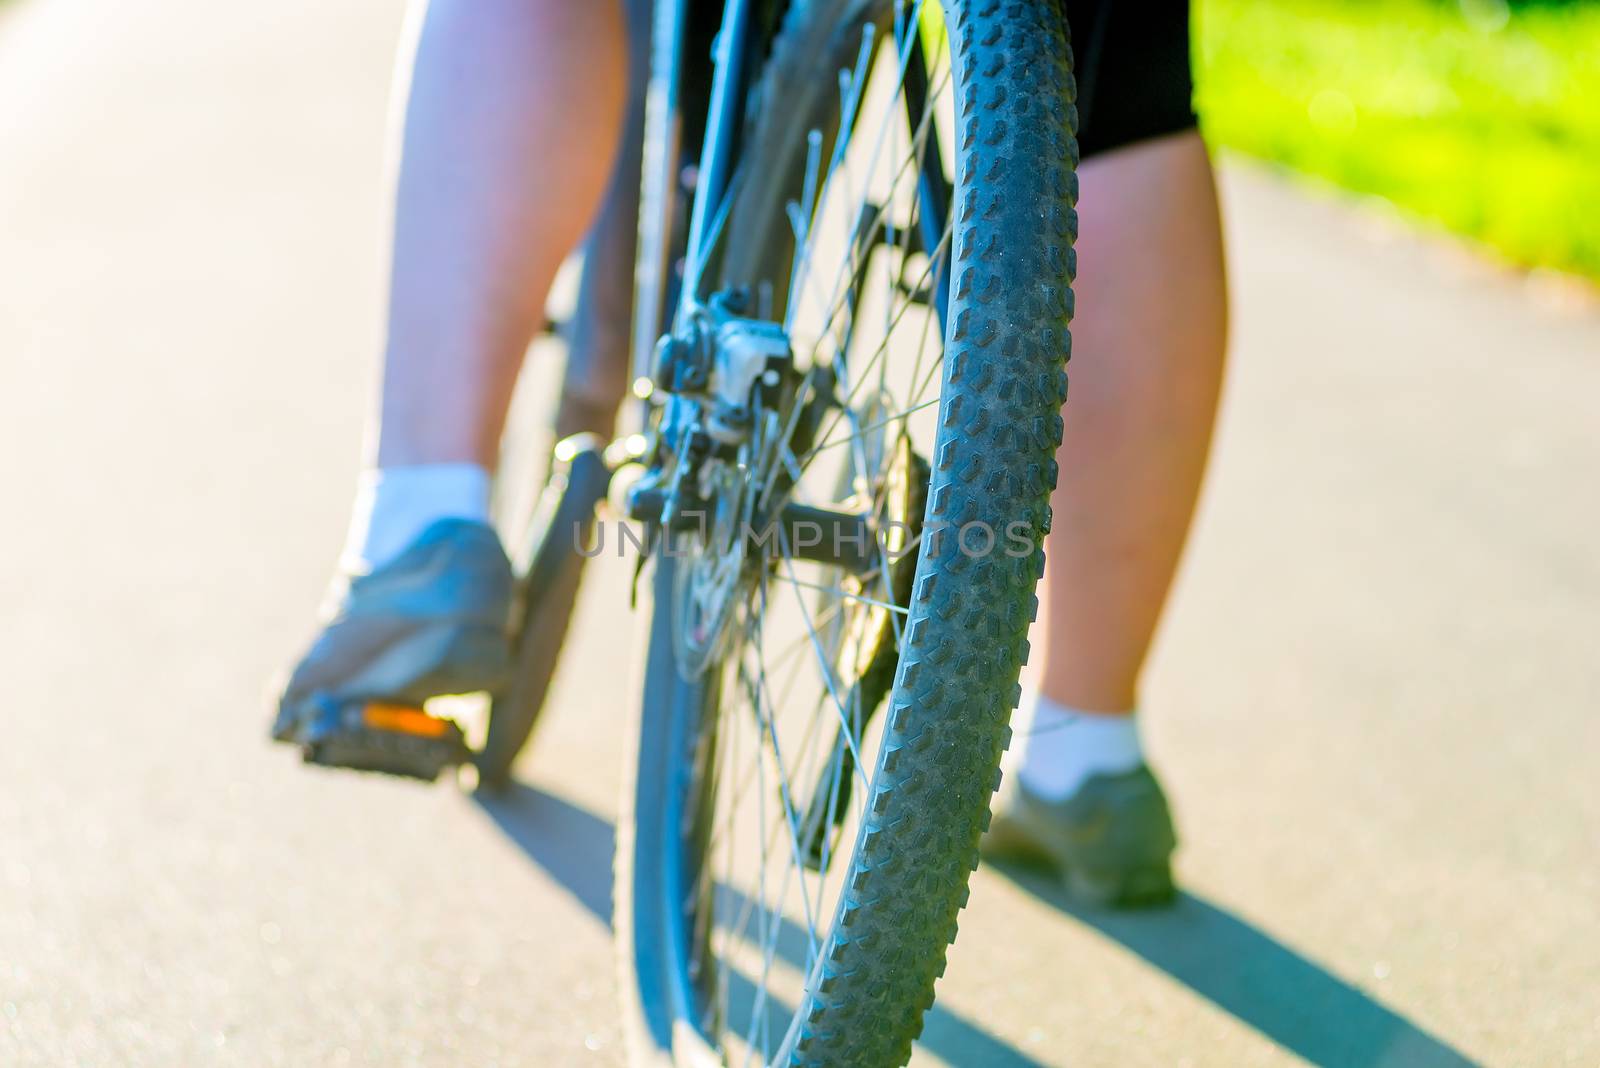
(1375, 698)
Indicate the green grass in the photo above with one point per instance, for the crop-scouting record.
(1488, 124)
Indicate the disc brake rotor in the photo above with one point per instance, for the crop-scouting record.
(711, 581)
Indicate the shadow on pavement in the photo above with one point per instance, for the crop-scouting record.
(575, 847)
(571, 843)
(1262, 982)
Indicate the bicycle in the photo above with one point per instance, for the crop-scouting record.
(849, 336)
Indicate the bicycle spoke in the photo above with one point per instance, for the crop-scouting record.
(858, 432)
(841, 592)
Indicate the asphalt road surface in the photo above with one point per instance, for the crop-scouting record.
(1375, 698)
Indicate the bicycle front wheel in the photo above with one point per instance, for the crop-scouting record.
(819, 742)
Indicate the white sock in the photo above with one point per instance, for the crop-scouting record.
(394, 505)
(1062, 747)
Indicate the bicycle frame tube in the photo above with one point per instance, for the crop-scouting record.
(716, 154)
(659, 171)
(653, 279)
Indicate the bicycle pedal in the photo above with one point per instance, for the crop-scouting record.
(389, 739)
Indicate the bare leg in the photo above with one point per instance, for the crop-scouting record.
(1145, 375)
(511, 115)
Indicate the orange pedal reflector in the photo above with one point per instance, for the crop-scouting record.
(404, 720)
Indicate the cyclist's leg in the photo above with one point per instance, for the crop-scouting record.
(509, 122)
(599, 332)
(1147, 368)
(1145, 373)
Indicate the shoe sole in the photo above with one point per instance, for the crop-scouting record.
(377, 737)
(1141, 887)
(399, 739)
(390, 740)
(1144, 885)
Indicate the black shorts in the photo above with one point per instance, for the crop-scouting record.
(1131, 61)
(1132, 66)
